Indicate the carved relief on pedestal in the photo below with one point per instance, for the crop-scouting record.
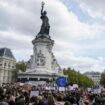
(49, 48)
(55, 65)
(54, 62)
(41, 60)
(35, 54)
(35, 49)
(29, 63)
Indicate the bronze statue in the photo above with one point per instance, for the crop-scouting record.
(45, 22)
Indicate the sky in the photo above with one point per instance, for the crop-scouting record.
(77, 27)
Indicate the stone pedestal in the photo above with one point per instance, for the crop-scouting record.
(42, 65)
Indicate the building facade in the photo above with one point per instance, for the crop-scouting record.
(95, 76)
(7, 64)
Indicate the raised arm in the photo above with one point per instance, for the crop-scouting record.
(42, 8)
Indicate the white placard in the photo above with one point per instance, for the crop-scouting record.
(71, 88)
(89, 89)
(96, 91)
(61, 88)
(34, 93)
(75, 85)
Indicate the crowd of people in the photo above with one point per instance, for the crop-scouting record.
(12, 95)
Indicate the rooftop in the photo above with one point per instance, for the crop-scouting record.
(92, 73)
(6, 52)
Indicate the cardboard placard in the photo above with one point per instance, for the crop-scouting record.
(34, 93)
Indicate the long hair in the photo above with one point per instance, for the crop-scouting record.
(50, 100)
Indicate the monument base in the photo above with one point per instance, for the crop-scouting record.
(26, 77)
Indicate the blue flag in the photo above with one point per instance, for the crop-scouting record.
(61, 81)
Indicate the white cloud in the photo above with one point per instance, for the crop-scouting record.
(95, 8)
(20, 23)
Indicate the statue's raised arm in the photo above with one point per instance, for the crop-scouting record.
(42, 7)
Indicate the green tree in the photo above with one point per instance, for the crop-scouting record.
(102, 80)
(77, 77)
(20, 66)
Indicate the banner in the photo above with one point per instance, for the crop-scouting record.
(61, 82)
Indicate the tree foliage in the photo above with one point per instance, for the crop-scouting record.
(78, 78)
(102, 80)
(20, 66)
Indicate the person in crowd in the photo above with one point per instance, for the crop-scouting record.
(73, 101)
(44, 99)
(67, 103)
(20, 99)
(39, 100)
(2, 97)
(51, 100)
(59, 100)
(33, 100)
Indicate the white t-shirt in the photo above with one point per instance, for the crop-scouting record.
(59, 103)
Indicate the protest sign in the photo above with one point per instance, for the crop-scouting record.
(34, 93)
(75, 86)
(61, 88)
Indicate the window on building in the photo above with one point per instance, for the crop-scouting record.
(4, 78)
(9, 65)
(0, 63)
(13, 67)
(5, 64)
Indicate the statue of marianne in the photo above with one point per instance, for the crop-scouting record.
(45, 22)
